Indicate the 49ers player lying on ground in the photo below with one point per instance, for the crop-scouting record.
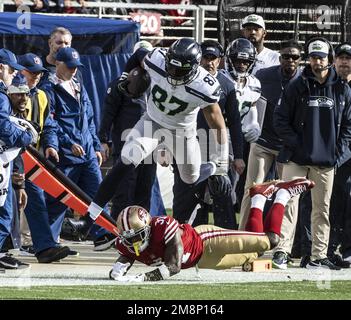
(163, 241)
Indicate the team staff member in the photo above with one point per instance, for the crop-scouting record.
(37, 109)
(172, 246)
(76, 141)
(313, 119)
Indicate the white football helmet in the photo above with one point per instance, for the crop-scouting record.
(134, 225)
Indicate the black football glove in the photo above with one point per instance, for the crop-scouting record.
(219, 185)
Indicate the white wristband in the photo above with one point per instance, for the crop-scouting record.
(94, 210)
(164, 271)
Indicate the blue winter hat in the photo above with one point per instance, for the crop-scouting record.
(8, 57)
(31, 62)
(69, 56)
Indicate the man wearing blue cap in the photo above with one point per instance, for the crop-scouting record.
(76, 140)
(37, 110)
(10, 136)
(313, 119)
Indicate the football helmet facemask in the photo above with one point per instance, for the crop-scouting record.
(134, 225)
(182, 61)
(240, 50)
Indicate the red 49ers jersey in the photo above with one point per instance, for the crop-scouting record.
(163, 229)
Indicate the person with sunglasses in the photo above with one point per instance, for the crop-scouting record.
(263, 152)
(313, 119)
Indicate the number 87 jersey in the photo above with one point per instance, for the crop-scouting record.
(177, 106)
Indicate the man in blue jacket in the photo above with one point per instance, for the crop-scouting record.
(76, 140)
(313, 119)
(10, 136)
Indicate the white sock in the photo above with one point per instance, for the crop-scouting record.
(94, 210)
(283, 196)
(258, 201)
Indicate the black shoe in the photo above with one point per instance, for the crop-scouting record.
(73, 253)
(322, 264)
(304, 261)
(9, 262)
(27, 251)
(75, 230)
(105, 242)
(52, 254)
(338, 261)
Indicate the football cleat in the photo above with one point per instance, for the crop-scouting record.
(296, 186)
(265, 189)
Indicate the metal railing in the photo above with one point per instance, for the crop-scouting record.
(197, 23)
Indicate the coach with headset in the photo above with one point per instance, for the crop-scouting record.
(313, 119)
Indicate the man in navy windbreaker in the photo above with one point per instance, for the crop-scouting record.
(76, 140)
(313, 119)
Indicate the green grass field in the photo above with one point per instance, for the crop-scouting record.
(306, 290)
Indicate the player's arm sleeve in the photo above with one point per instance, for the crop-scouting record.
(283, 117)
(234, 124)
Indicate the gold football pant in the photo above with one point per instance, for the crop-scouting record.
(224, 249)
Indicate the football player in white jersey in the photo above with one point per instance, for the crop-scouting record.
(179, 89)
(240, 59)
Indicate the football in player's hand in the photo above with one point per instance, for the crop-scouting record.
(138, 81)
